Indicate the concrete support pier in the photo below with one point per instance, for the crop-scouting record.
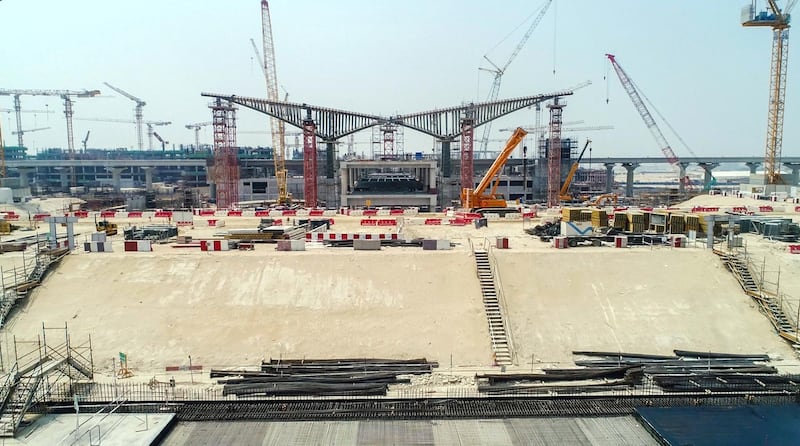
(629, 167)
(446, 161)
(681, 176)
(707, 168)
(24, 179)
(753, 167)
(116, 177)
(609, 176)
(148, 178)
(63, 177)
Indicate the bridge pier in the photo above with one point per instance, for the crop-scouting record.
(116, 177)
(609, 176)
(447, 166)
(708, 176)
(753, 166)
(795, 176)
(629, 167)
(63, 177)
(24, 181)
(681, 175)
(330, 158)
(148, 178)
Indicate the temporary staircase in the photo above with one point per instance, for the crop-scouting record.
(769, 303)
(501, 345)
(27, 282)
(23, 382)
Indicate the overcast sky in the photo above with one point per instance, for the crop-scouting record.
(704, 72)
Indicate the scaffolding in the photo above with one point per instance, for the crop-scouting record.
(226, 165)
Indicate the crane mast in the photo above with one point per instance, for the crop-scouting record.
(276, 125)
(640, 106)
(498, 71)
(779, 22)
(137, 113)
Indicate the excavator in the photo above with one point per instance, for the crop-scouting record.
(564, 194)
(478, 200)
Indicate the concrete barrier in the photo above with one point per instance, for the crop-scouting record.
(367, 245)
(97, 247)
(215, 245)
(138, 245)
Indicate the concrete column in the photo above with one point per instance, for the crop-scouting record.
(24, 180)
(63, 173)
(609, 177)
(681, 175)
(446, 163)
(53, 241)
(345, 183)
(629, 167)
(432, 179)
(795, 177)
(330, 159)
(148, 178)
(753, 166)
(707, 168)
(116, 177)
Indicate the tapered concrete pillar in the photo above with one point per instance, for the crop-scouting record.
(63, 177)
(753, 167)
(708, 176)
(116, 177)
(345, 181)
(681, 175)
(609, 176)
(445, 159)
(24, 179)
(795, 176)
(629, 167)
(148, 178)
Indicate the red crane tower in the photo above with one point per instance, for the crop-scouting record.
(225, 172)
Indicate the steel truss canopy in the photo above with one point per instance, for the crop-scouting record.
(331, 124)
(444, 124)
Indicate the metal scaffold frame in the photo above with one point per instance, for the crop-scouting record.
(226, 165)
(554, 155)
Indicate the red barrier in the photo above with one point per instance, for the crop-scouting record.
(234, 213)
(369, 222)
(396, 212)
(205, 212)
(12, 216)
(471, 215)
(108, 214)
(136, 214)
(647, 209)
(289, 213)
(620, 209)
(433, 221)
(369, 212)
(163, 214)
(529, 215)
(81, 214)
(262, 213)
(40, 217)
(315, 213)
(740, 209)
(794, 249)
(458, 222)
(797, 208)
(765, 209)
(705, 209)
(387, 222)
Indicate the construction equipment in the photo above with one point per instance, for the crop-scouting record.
(605, 199)
(564, 194)
(478, 200)
(779, 22)
(149, 124)
(636, 98)
(22, 132)
(137, 113)
(85, 140)
(105, 226)
(161, 140)
(499, 71)
(196, 127)
(277, 128)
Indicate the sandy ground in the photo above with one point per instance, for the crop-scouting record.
(235, 308)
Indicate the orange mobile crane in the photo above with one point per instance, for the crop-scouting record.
(477, 200)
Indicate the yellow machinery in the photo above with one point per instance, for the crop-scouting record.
(564, 194)
(605, 199)
(105, 226)
(478, 200)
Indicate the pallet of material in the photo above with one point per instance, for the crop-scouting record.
(637, 222)
(571, 214)
(620, 221)
(677, 224)
(599, 218)
(692, 222)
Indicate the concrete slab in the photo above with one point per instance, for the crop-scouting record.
(94, 429)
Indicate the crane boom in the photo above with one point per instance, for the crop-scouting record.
(478, 198)
(565, 188)
(276, 125)
(640, 106)
(498, 71)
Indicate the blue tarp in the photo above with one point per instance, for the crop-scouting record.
(730, 426)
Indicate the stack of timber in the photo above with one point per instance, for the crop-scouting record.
(268, 234)
(322, 377)
(599, 218)
(620, 221)
(574, 214)
(677, 224)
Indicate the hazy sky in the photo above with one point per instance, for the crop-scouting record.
(707, 74)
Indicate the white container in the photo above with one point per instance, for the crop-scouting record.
(576, 228)
(443, 245)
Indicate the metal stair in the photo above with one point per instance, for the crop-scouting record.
(17, 403)
(491, 304)
(768, 303)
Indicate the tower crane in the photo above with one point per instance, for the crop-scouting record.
(66, 95)
(30, 130)
(499, 71)
(149, 124)
(161, 140)
(137, 114)
(196, 127)
(636, 98)
(779, 22)
(277, 128)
